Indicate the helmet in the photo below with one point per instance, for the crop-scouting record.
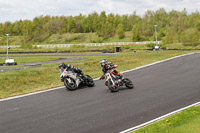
(62, 65)
(103, 62)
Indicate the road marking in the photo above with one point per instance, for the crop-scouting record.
(13, 109)
(158, 119)
(158, 62)
(10, 98)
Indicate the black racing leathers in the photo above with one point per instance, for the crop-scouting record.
(107, 67)
(76, 70)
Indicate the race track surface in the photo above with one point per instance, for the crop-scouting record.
(159, 89)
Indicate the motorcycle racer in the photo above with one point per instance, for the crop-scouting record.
(69, 67)
(108, 66)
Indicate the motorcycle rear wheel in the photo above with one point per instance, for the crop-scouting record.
(70, 86)
(90, 81)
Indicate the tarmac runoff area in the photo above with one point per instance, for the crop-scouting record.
(35, 64)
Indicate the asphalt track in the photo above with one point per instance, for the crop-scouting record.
(159, 89)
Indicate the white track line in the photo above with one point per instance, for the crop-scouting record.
(157, 119)
(10, 98)
(158, 62)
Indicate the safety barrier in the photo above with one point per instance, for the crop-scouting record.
(87, 44)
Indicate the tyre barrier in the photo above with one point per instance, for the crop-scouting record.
(1, 64)
(11, 64)
(8, 64)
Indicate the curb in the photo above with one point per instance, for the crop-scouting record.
(158, 119)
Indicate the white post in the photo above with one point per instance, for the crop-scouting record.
(156, 33)
(156, 47)
(7, 44)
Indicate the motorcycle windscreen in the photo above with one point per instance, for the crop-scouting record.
(62, 70)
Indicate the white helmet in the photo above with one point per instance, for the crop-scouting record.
(103, 62)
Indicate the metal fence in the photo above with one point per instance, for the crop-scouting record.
(87, 44)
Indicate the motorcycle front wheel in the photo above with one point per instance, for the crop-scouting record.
(128, 83)
(70, 85)
(112, 87)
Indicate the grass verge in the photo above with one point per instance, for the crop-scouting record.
(187, 121)
(34, 79)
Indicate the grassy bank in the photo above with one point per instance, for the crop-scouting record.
(82, 48)
(69, 38)
(34, 79)
(187, 121)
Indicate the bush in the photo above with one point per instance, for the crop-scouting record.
(151, 45)
(163, 46)
(190, 37)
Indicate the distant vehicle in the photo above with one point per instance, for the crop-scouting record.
(10, 62)
(74, 80)
(156, 47)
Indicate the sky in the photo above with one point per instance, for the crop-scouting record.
(14, 10)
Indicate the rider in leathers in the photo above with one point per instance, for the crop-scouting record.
(69, 67)
(108, 66)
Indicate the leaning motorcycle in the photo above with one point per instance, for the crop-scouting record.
(74, 80)
(114, 81)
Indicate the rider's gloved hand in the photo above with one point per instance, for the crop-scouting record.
(102, 77)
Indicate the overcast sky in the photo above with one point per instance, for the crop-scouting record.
(12, 10)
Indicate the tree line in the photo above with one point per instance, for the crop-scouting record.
(173, 27)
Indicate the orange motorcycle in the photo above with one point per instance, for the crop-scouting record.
(114, 79)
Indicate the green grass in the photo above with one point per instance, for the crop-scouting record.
(187, 121)
(70, 38)
(67, 38)
(115, 38)
(1, 67)
(73, 49)
(45, 77)
(180, 46)
(78, 38)
(28, 59)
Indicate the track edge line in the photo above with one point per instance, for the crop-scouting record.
(159, 118)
